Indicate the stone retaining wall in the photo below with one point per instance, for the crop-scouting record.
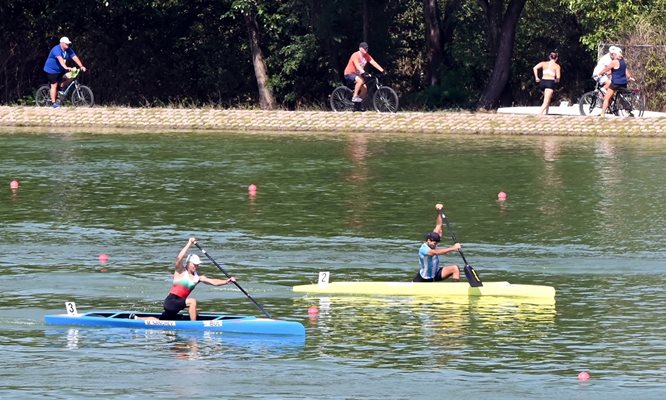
(323, 121)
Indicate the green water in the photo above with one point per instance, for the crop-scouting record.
(583, 215)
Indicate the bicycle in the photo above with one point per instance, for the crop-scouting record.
(80, 95)
(384, 98)
(625, 102)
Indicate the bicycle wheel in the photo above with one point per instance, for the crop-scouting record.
(341, 99)
(83, 97)
(627, 104)
(43, 96)
(385, 100)
(590, 103)
(637, 103)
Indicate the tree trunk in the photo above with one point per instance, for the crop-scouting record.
(448, 25)
(501, 38)
(266, 100)
(433, 41)
(366, 20)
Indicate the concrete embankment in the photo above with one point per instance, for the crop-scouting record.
(460, 122)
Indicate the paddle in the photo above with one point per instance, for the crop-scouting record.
(472, 277)
(235, 283)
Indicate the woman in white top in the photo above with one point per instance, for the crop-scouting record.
(550, 77)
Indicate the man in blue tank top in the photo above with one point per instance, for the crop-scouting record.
(430, 270)
(56, 66)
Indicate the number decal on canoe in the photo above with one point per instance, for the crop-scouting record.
(213, 323)
(323, 278)
(70, 306)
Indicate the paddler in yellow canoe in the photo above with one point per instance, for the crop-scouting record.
(429, 255)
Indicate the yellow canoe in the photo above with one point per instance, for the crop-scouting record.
(433, 289)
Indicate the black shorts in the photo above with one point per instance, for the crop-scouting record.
(55, 78)
(419, 278)
(172, 306)
(547, 84)
(351, 78)
(617, 86)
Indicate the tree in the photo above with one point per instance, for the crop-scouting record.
(432, 41)
(248, 9)
(501, 24)
(438, 36)
(605, 18)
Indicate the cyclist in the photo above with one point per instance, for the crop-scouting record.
(620, 76)
(56, 66)
(602, 79)
(356, 68)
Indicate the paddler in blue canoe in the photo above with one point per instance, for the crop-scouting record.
(185, 279)
(429, 255)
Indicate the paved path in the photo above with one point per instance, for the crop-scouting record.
(565, 109)
(461, 122)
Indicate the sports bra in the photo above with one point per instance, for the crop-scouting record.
(548, 71)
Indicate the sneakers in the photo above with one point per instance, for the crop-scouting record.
(357, 99)
(55, 105)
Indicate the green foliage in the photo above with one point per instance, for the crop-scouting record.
(244, 7)
(451, 92)
(654, 82)
(604, 19)
(196, 52)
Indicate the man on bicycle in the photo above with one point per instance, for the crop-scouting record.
(356, 68)
(56, 66)
(602, 78)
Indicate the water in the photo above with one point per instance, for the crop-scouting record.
(583, 215)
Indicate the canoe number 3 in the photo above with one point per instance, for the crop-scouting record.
(70, 306)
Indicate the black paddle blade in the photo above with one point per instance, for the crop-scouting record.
(472, 277)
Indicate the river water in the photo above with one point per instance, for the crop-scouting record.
(584, 215)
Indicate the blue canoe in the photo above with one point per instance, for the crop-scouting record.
(204, 322)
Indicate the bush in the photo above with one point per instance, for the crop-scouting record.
(451, 92)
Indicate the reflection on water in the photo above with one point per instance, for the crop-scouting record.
(182, 345)
(410, 332)
(359, 198)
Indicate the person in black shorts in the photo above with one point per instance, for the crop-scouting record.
(56, 66)
(620, 77)
(185, 279)
(550, 77)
